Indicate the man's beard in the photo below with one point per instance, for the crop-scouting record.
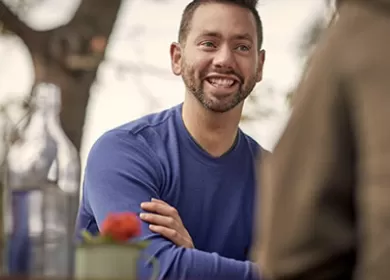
(196, 87)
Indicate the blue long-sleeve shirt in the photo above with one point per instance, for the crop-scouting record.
(155, 157)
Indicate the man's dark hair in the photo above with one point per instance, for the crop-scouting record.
(188, 13)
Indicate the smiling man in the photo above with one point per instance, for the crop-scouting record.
(192, 159)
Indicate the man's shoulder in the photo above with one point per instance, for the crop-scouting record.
(153, 121)
(146, 127)
(254, 146)
(137, 136)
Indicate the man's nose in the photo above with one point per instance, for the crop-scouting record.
(224, 58)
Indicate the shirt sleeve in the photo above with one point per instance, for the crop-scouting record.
(121, 173)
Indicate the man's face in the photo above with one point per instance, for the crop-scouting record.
(220, 62)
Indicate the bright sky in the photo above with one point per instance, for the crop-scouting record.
(143, 32)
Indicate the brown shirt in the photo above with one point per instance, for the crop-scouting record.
(324, 206)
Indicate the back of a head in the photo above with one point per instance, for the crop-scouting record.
(185, 24)
(381, 4)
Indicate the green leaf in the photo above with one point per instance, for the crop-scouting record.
(87, 236)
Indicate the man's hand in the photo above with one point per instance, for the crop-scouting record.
(165, 220)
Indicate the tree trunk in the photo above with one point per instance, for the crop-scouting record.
(69, 56)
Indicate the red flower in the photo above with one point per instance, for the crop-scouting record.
(121, 226)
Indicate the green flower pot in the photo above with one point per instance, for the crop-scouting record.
(110, 261)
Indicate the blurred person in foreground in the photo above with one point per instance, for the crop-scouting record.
(325, 193)
(192, 159)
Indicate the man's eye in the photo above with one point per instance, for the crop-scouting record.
(243, 48)
(208, 44)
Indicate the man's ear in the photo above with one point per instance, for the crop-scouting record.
(260, 66)
(176, 56)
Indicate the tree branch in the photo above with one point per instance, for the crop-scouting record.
(90, 11)
(13, 23)
(123, 67)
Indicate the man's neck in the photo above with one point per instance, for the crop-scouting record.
(214, 132)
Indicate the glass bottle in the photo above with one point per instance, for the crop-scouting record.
(41, 192)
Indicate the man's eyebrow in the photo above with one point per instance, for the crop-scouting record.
(210, 34)
(244, 36)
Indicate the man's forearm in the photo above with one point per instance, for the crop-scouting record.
(182, 263)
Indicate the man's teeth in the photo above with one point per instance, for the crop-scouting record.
(221, 82)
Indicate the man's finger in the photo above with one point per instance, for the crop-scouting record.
(172, 235)
(160, 220)
(159, 208)
(159, 201)
(167, 233)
